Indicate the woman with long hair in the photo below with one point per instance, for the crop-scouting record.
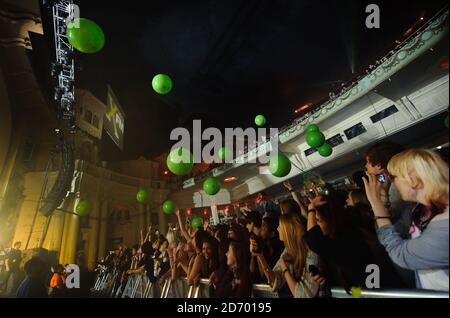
(236, 282)
(296, 260)
(420, 176)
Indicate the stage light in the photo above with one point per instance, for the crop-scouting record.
(422, 18)
(230, 179)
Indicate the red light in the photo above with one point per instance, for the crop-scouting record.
(205, 212)
(166, 173)
(188, 211)
(230, 179)
(444, 63)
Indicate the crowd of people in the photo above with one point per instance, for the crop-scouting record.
(395, 217)
(37, 279)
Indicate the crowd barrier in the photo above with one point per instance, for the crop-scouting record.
(139, 286)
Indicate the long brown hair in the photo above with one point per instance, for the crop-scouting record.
(292, 231)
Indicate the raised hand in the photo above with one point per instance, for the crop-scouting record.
(287, 184)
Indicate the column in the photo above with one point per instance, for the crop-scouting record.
(102, 233)
(70, 236)
(94, 226)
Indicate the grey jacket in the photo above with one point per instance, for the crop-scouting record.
(424, 254)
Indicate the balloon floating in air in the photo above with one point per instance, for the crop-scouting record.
(315, 139)
(180, 161)
(211, 186)
(260, 120)
(85, 36)
(83, 208)
(162, 84)
(223, 153)
(142, 196)
(280, 165)
(311, 128)
(168, 207)
(197, 223)
(325, 150)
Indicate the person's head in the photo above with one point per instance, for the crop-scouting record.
(357, 197)
(17, 245)
(221, 233)
(331, 217)
(238, 233)
(254, 220)
(289, 206)
(34, 267)
(200, 236)
(378, 156)
(420, 175)
(260, 197)
(357, 179)
(269, 228)
(291, 231)
(237, 256)
(210, 251)
(135, 249)
(164, 246)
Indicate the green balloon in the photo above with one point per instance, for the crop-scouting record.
(197, 223)
(311, 128)
(325, 150)
(142, 196)
(260, 120)
(168, 207)
(180, 161)
(85, 36)
(83, 208)
(223, 153)
(211, 186)
(446, 121)
(280, 165)
(162, 84)
(315, 139)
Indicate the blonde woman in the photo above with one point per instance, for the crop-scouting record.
(420, 176)
(296, 260)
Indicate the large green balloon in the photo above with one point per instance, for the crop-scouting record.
(325, 150)
(180, 161)
(260, 120)
(311, 128)
(83, 208)
(162, 84)
(211, 186)
(142, 196)
(280, 165)
(197, 223)
(85, 36)
(168, 207)
(223, 153)
(315, 139)
(446, 121)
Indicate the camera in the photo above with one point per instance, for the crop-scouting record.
(258, 241)
(381, 178)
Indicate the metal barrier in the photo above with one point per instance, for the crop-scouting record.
(391, 293)
(139, 286)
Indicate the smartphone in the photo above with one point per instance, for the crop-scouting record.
(381, 178)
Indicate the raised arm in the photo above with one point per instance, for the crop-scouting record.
(182, 227)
